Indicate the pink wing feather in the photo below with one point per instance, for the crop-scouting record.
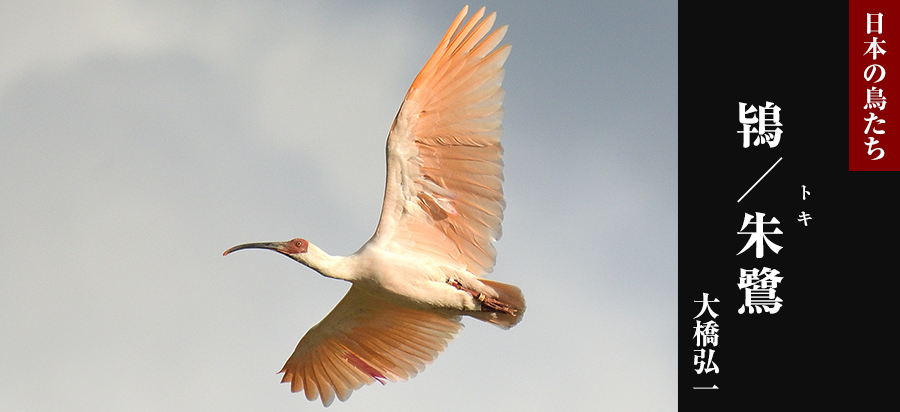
(363, 340)
(443, 195)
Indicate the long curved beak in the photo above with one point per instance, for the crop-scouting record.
(276, 246)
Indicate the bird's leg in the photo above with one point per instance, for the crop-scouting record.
(487, 303)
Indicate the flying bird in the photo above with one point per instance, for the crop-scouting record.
(424, 267)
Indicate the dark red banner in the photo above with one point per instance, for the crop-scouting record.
(874, 142)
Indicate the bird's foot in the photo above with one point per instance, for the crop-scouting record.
(488, 303)
(496, 305)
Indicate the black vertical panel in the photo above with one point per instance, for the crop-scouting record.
(795, 58)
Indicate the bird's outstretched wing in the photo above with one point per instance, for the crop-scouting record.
(365, 339)
(443, 195)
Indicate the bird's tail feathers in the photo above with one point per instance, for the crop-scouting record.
(507, 295)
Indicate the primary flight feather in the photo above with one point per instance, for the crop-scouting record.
(443, 203)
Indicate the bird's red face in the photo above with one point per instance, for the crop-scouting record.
(295, 246)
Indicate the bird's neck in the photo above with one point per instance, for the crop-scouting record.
(335, 267)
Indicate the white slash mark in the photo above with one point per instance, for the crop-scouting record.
(760, 178)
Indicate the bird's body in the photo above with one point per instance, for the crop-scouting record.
(402, 279)
(443, 204)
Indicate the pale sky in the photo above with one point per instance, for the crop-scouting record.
(140, 139)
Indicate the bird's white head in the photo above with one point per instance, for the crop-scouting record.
(295, 248)
(307, 254)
